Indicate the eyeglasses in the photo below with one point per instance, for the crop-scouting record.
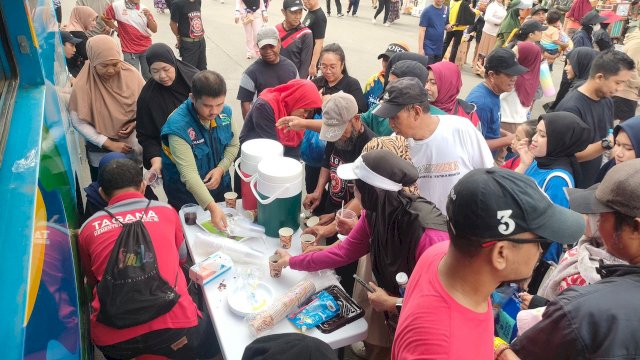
(489, 243)
(332, 67)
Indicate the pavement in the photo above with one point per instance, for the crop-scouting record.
(361, 40)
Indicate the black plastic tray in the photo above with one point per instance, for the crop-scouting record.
(350, 311)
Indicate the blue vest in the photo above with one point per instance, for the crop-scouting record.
(208, 147)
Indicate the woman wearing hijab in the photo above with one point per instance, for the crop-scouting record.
(82, 20)
(576, 72)
(298, 98)
(516, 11)
(626, 137)
(168, 87)
(395, 227)
(443, 87)
(550, 159)
(515, 105)
(103, 102)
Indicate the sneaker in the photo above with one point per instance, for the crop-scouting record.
(359, 350)
(387, 24)
(354, 15)
(373, 21)
(340, 15)
(249, 56)
(328, 14)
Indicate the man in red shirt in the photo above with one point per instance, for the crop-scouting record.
(497, 220)
(182, 332)
(135, 25)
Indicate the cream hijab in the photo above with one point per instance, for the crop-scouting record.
(106, 104)
(80, 19)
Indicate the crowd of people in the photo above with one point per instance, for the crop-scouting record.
(470, 196)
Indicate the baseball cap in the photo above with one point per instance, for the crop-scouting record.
(68, 38)
(392, 49)
(496, 203)
(525, 4)
(504, 60)
(538, 8)
(380, 168)
(618, 191)
(410, 68)
(292, 5)
(289, 346)
(267, 35)
(531, 26)
(400, 93)
(592, 18)
(337, 112)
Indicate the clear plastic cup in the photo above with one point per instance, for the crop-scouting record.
(190, 213)
(342, 217)
(153, 179)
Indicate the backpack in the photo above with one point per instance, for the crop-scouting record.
(466, 16)
(131, 291)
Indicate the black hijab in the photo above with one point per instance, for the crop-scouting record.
(566, 136)
(403, 56)
(580, 60)
(397, 220)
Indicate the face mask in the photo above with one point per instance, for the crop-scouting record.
(596, 27)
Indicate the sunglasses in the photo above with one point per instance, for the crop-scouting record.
(489, 243)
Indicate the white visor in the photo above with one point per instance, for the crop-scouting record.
(359, 170)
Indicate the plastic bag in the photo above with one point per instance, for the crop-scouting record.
(322, 308)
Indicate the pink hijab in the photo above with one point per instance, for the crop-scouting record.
(80, 19)
(529, 56)
(449, 82)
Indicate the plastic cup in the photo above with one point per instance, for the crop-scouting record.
(152, 179)
(286, 234)
(344, 215)
(230, 199)
(190, 213)
(313, 221)
(274, 270)
(306, 241)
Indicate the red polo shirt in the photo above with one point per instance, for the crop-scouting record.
(98, 237)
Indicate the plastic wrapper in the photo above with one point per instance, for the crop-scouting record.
(322, 307)
(261, 323)
(238, 252)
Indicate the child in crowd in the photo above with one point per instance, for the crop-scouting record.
(526, 130)
(552, 40)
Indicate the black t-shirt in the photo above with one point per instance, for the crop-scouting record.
(347, 84)
(261, 75)
(188, 17)
(261, 124)
(598, 115)
(316, 20)
(339, 189)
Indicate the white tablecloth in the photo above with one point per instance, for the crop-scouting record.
(232, 331)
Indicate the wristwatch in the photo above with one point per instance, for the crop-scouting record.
(606, 144)
(399, 305)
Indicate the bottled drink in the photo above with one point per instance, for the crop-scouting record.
(402, 279)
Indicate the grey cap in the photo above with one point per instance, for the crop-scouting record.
(525, 4)
(337, 112)
(400, 93)
(592, 18)
(267, 35)
(619, 191)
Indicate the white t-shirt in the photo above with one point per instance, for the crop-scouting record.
(454, 149)
(511, 110)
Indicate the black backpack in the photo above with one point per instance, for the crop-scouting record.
(131, 291)
(466, 16)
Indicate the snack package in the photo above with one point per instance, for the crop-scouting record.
(322, 308)
(210, 268)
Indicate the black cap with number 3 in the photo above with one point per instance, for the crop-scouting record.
(497, 203)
